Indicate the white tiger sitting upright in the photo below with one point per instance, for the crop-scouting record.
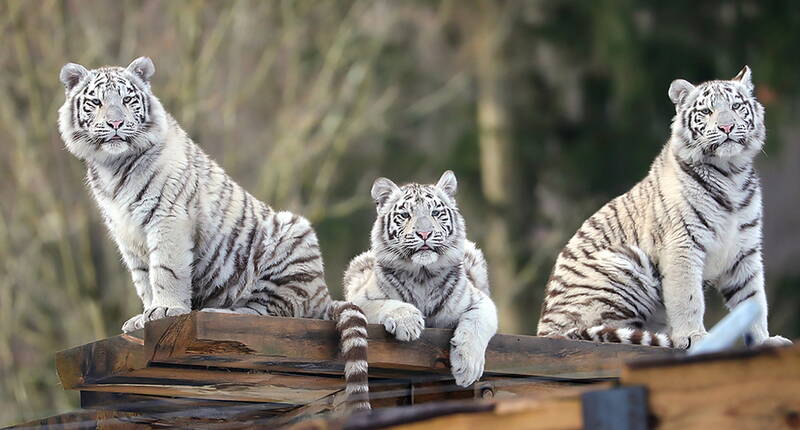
(634, 272)
(191, 237)
(422, 271)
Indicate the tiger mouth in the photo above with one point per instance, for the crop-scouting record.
(424, 248)
(116, 138)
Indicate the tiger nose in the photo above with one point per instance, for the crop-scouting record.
(115, 124)
(424, 234)
(726, 128)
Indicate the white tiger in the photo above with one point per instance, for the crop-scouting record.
(422, 271)
(192, 238)
(635, 270)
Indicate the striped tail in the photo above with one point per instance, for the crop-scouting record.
(602, 333)
(352, 326)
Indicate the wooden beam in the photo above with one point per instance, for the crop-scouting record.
(745, 389)
(218, 384)
(181, 407)
(756, 389)
(92, 362)
(246, 341)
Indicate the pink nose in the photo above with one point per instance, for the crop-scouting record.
(115, 124)
(726, 128)
(424, 234)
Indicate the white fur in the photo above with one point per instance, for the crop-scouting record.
(406, 288)
(644, 258)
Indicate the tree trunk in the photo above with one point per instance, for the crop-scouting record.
(495, 151)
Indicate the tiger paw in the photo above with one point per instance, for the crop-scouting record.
(776, 341)
(466, 358)
(405, 323)
(134, 323)
(688, 341)
(158, 312)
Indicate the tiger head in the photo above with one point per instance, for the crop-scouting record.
(109, 111)
(418, 225)
(717, 119)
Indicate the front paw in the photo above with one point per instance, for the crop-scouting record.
(405, 323)
(466, 358)
(776, 341)
(689, 340)
(134, 323)
(158, 312)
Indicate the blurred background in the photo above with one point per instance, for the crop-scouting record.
(544, 109)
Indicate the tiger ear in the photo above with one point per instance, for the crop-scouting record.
(382, 189)
(745, 77)
(448, 183)
(72, 74)
(142, 67)
(678, 90)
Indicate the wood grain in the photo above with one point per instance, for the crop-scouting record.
(269, 342)
(744, 390)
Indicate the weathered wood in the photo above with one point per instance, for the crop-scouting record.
(92, 362)
(99, 420)
(220, 385)
(245, 341)
(181, 407)
(558, 413)
(749, 389)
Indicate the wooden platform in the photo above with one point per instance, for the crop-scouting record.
(735, 390)
(212, 369)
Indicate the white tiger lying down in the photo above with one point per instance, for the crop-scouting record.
(191, 237)
(422, 271)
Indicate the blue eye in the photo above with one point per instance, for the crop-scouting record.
(706, 111)
(736, 106)
(95, 102)
(404, 215)
(436, 212)
(127, 99)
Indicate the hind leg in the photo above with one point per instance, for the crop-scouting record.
(616, 288)
(288, 272)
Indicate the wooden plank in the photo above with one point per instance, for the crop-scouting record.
(220, 385)
(554, 413)
(246, 341)
(745, 390)
(99, 420)
(181, 407)
(89, 363)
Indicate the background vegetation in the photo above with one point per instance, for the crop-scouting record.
(544, 109)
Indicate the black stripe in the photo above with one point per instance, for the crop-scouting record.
(731, 290)
(750, 224)
(749, 199)
(141, 192)
(166, 269)
(721, 200)
(739, 260)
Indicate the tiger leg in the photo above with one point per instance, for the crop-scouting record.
(291, 283)
(399, 318)
(743, 281)
(605, 295)
(476, 326)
